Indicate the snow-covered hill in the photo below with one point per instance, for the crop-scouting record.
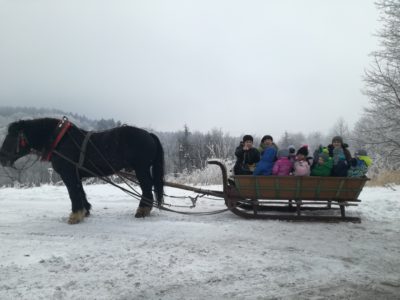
(112, 255)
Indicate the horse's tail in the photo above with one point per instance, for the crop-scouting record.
(158, 171)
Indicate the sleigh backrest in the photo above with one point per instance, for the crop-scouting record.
(299, 187)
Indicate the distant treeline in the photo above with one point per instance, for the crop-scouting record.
(186, 152)
(29, 170)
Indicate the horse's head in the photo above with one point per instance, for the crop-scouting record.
(15, 144)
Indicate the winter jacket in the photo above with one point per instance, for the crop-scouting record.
(264, 167)
(341, 160)
(292, 158)
(322, 170)
(316, 154)
(301, 168)
(282, 167)
(346, 152)
(262, 148)
(366, 159)
(358, 167)
(245, 160)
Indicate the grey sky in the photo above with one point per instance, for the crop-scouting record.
(258, 67)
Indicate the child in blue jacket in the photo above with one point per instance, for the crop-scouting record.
(359, 164)
(265, 165)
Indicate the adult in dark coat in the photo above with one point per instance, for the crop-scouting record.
(246, 157)
(341, 157)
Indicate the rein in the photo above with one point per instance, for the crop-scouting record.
(132, 192)
(62, 129)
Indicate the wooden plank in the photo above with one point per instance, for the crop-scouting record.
(339, 189)
(305, 188)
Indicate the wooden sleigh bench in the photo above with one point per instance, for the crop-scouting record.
(293, 198)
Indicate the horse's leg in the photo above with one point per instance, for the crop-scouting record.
(86, 205)
(80, 205)
(146, 183)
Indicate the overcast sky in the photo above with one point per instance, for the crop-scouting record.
(258, 67)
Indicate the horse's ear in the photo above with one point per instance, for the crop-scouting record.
(16, 127)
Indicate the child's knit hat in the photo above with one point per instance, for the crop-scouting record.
(303, 150)
(292, 149)
(360, 152)
(337, 138)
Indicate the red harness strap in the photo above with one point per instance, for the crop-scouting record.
(61, 129)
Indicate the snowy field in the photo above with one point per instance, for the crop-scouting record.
(112, 255)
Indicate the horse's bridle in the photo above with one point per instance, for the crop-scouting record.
(22, 142)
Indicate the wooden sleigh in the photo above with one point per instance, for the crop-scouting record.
(291, 197)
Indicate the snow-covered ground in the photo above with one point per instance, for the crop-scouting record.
(112, 255)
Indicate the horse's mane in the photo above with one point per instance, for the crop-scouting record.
(39, 124)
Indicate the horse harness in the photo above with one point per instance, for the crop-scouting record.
(22, 142)
(61, 129)
(83, 150)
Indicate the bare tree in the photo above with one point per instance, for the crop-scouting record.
(341, 128)
(379, 129)
(315, 139)
(286, 140)
(296, 139)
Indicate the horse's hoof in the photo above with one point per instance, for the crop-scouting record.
(142, 212)
(76, 217)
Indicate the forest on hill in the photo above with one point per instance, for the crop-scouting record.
(186, 152)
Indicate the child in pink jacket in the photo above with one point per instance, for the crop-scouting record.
(283, 166)
(301, 165)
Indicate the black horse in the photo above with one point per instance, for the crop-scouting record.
(97, 153)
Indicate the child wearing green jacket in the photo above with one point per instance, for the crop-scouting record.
(324, 165)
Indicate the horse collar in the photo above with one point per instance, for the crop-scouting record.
(61, 128)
